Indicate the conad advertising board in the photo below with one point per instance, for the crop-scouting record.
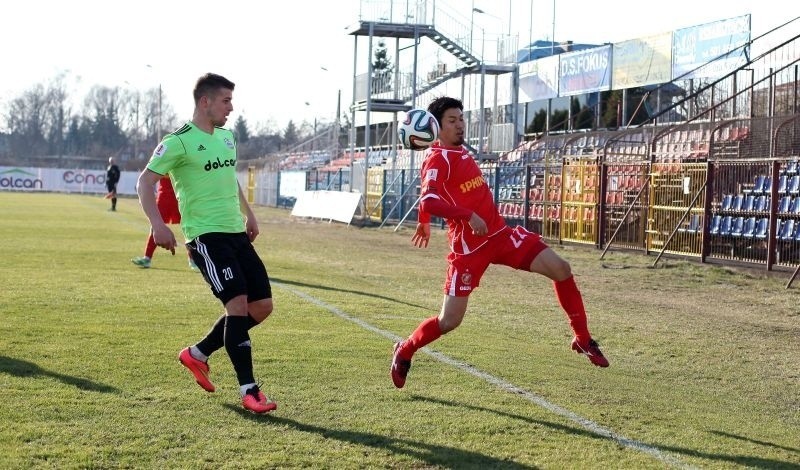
(63, 180)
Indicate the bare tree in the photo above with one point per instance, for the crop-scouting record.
(25, 120)
(43, 122)
(131, 119)
(159, 117)
(103, 108)
(58, 112)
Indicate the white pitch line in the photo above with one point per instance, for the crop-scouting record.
(585, 423)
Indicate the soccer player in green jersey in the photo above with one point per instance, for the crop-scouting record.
(219, 227)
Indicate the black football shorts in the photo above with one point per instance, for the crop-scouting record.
(230, 266)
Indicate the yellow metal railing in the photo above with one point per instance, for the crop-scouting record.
(677, 201)
(375, 177)
(251, 184)
(579, 193)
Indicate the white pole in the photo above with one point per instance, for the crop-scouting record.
(471, 24)
(158, 123)
(530, 32)
(509, 18)
(553, 37)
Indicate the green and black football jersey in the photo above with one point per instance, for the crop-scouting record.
(203, 171)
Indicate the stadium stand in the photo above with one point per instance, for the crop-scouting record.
(711, 173)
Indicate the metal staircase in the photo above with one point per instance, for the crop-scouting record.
(416, 32)
(452, 45)
(454, 48)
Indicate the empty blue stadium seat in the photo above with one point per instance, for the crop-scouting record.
(794, 208)
(758, 203)
(693, 226)
(783, 182)
(762, 228)
(758, 185)
(749, 201)
(725, 226)
(727, 201)
(766, 186)
(694, 223)
(737, 203)
(761, 203)
(794, 184)
(737, 226)
(749, 228)
(786, 230)
(716, 221)
(783, 204)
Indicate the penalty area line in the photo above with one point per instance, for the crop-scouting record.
(585, 423)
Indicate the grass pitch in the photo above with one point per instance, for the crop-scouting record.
(705, 363)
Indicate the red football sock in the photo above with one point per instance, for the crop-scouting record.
(570, 299)
(151, 247)
(427, 332)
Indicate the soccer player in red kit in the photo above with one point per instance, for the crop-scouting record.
(168, 208)
(453, 188)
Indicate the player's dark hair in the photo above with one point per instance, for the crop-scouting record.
(442, 104)
(209, 84)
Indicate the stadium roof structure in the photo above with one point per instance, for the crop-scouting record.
(542, 48)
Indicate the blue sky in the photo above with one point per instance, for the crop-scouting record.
(285, 54)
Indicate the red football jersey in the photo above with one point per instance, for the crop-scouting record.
(164, 190)
(167, 202)
(453, 188)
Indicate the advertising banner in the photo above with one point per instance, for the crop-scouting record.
(585, 71)
(693, 48)
(642, 61)
(61, 180)
(538, 79)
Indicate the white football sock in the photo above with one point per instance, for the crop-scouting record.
(197, 354)
(244, 388)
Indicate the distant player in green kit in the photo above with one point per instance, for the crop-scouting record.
(219, 228)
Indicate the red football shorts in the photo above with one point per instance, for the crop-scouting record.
(168, 207)
(516, 248)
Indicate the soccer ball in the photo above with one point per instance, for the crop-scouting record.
(418, 130)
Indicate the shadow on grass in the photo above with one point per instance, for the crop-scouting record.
(742, 460)
(549, 424)
(430, 454)
(21, 368)
(745, 461)
(174, 270)
(357, 292)
(755, 441)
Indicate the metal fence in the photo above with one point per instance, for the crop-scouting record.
(727, 191)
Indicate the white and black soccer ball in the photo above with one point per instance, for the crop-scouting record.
(418, 130)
